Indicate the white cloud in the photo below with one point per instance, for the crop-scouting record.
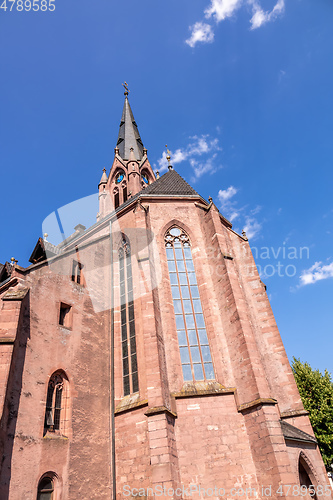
(198, 147)
(200, 32)
(232, 211)
(316, 273)
(225, 194)
(219, 10)
(228, 206)
(261, 17)
(207, 167)
(252, 227)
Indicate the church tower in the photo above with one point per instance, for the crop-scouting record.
(140, 356)
(131, 171)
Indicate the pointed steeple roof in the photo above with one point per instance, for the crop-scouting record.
(104, 178)
(129, 136)
(171, 183)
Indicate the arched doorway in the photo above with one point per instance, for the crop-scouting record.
(304, 473)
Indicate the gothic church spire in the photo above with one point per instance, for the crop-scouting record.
(129, 136)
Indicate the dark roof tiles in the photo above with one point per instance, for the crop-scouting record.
(129, 136)
(295, 434)
(170, 183)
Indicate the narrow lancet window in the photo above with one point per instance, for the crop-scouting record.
(45, 489)
(56, 412)
(192, 337)
(127, 320)
(77, 272)
(116, 200)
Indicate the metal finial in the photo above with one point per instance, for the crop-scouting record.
(210, 199)
(168, 157)
(45, 236)
(13, 261)
(104, 169)
(125, 85)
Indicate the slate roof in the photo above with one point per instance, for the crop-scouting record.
(129, 136)
(5, 271)
(43, 250)
(294, 434)
(170, 183)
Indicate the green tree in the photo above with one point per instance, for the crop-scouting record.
(316, 390)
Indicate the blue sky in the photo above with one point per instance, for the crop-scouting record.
(240, 90)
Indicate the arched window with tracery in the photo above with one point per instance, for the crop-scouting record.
(145, 178)
(45, 489)
(194, 348)
(120, 188)
(57, 404)
(127, 320)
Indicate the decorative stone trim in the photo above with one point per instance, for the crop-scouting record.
(257, 402)
(157, 410)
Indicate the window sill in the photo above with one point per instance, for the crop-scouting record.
(130, 402)
(67, 328)
(204, 388)
(55, 436)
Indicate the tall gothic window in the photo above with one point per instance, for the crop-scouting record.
(57, 404)
(192, 337)
(130, 366)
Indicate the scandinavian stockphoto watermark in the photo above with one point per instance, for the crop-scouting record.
(281, 261)
(291, 490)
(27, 5)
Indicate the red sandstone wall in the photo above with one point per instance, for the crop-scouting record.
(210, 441)
(214, 449)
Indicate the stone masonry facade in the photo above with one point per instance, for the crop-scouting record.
(243, 430)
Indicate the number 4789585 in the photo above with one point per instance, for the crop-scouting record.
(27, 5)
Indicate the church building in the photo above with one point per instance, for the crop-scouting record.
(140, 356)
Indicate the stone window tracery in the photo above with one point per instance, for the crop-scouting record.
(192, 336)
(144, 178)
(56, 411)
(127, 320)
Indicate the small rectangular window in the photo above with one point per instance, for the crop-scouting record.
(65, 315)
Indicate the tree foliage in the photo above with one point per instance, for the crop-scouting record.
(316, 390)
